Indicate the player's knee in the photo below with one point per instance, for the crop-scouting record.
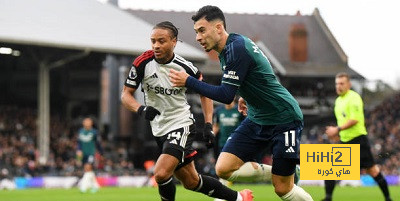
(282, 190)
(190, 181)
(222, 172)
(162, 175)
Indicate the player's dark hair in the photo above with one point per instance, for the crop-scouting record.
(168, 26)
(210, 13)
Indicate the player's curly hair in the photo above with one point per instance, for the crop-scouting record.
(168, 26)
(210, 13)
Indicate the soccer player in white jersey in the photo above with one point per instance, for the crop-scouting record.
(171, 121)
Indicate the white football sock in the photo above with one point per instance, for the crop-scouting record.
(252, 172)
(239, 197)
(224, 182)
(297, 194)
(88, 181)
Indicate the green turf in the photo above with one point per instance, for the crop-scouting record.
(261, 192)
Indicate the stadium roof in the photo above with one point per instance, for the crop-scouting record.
(76, 24)
(324, 52)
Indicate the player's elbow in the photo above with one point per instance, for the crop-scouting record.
(227, 94)
(124, 97)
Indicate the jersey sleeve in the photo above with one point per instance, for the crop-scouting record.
(355, 108)
(189, 68)
(136, 73)
(238, 63)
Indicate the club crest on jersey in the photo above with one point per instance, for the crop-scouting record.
(132, 73)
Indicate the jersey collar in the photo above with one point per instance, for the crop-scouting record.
(169, 61)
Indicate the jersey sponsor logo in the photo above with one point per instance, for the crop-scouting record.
(132, 73)
(86, 138)
(154, 75)
(229, 121)
(162, 90)
(231, 75)
(131, 82)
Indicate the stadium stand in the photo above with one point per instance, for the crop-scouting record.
(19, 153)
(383, 124)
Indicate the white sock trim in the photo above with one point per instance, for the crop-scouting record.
(169, 180)
(239, 197)
(200, 183)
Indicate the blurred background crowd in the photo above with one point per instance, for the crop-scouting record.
(19, 154)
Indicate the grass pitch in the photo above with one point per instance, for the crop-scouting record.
(261, 192)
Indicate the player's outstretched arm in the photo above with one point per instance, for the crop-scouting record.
(224, 93)
(127, 99)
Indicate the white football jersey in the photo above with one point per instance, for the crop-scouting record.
(159, 93)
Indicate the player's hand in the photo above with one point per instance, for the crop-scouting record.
(148, 112)
(178, 78)
(331, 131)
(242, 107)
(208, 135)
(79, 154)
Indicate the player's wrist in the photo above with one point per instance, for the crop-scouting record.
(140, 109)
(190, 81)
(338, 128)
